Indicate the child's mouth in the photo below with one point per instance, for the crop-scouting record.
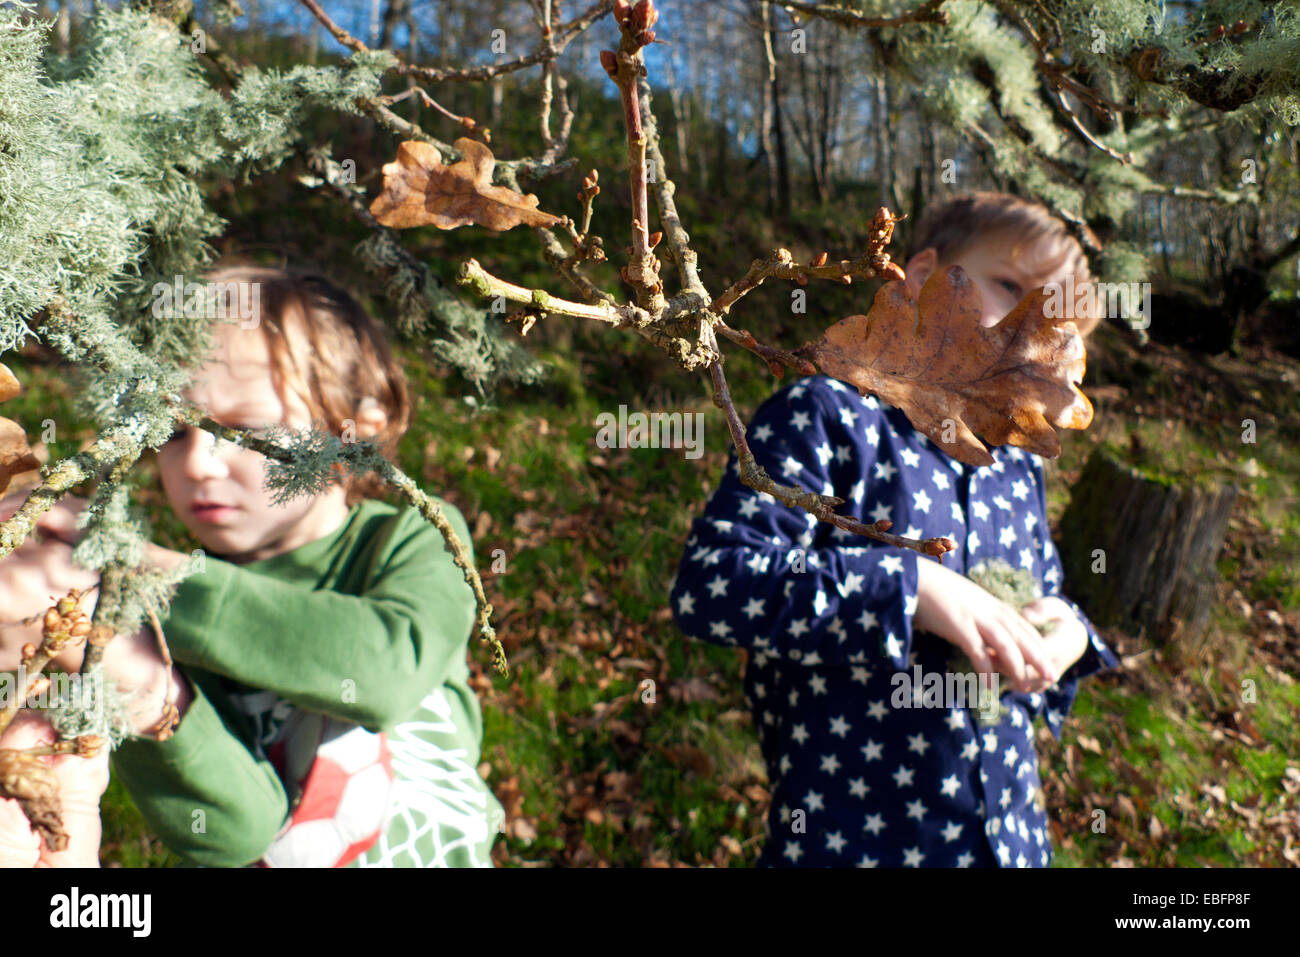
(213, 513)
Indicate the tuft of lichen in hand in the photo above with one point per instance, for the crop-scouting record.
(97, 708)
(1015, 586)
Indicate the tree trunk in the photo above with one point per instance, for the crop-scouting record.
(1139, 553)
(769, 92)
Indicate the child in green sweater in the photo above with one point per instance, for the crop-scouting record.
(321, 680)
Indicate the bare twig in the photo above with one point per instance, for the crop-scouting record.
(875, 262)
(775, 358)
(64, 626)
(821, 506)
(546, 52)
(170, 716)
(625, 68)
(471, 125)
(927, 12)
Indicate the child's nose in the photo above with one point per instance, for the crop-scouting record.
(202, 455)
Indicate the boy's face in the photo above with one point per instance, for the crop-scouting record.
(1003, 279)
(214, 486)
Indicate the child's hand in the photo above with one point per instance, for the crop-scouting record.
(82, 782)
(1068, 640)
(993, 634)
(32, 578)
(135, 665)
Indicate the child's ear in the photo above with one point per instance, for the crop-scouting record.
(920, 267)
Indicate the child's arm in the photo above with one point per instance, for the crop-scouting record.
(368, 658)
(203, 792)
(761, 576)
(741, 584)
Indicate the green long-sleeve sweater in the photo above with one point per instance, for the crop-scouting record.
(369, 624)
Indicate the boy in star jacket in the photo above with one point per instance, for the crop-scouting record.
(860, 775)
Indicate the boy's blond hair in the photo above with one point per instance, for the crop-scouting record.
(326, 348)
(954, 226)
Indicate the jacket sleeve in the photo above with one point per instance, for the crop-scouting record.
(368, 658)
(759, 575)
(203, 792)
(1097, 655)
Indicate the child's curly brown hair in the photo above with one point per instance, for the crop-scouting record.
(331, 352)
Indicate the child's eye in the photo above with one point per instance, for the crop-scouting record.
(177, 433)
(1010, 286)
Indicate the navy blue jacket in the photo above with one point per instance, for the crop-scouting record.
(827, 618)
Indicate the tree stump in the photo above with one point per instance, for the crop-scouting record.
(1139, 552)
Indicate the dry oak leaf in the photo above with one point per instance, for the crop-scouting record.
(15, 454)
(420, 191)
(953, 377)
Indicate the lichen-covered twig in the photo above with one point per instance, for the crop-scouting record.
(472, 274)
(116, 444)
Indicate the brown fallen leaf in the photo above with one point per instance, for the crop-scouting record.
(420, 191)
(693, 689)
(953, 378)
(16, 456)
